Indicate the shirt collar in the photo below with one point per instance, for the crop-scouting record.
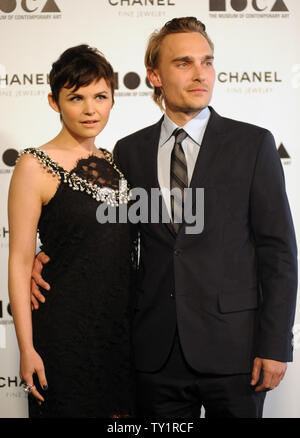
(194, 128)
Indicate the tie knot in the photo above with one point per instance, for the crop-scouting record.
(180, 135)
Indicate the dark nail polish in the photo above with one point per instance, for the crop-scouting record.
(45, 387)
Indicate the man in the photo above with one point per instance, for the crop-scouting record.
(214, 310)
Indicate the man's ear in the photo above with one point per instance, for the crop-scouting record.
(154, 77)
(53, 103)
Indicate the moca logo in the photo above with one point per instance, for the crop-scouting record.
(131, 80)
(28, 6)
(241, 5)
(9, 157)
(283, 154)
(7, 308)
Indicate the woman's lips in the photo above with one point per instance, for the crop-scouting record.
(90, 122)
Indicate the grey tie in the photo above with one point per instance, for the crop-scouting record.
(179, 178)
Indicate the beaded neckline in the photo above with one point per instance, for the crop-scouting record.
(108, 195)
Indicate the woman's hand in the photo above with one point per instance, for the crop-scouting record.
(30, 363)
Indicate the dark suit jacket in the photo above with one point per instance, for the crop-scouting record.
(230, 290)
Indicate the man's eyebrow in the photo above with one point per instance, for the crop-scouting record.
(190, 58)
(182, 58)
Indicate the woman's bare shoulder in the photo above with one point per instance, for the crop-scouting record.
(29, 163)
(27, 160)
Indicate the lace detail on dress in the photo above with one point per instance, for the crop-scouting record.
(91, 175)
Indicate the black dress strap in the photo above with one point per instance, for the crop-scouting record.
(111, 196)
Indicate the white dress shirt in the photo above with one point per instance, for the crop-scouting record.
(195, 129)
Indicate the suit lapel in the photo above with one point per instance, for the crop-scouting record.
(209, 151)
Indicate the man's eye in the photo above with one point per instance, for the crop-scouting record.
(208, 63)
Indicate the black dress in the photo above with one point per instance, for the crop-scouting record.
(82, 331)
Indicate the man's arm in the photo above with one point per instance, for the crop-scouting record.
(276, 251)
(116, 154)
(36, 280)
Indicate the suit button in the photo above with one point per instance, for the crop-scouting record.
(172, 295)
(177, 252)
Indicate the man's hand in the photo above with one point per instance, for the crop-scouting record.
(273, 373)
(37, 280)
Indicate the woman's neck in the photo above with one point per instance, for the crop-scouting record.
(70, 142)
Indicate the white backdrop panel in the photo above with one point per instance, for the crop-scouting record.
(258, 81)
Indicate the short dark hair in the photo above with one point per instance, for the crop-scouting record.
(78, 67)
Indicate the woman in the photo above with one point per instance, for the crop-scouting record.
(75, 350)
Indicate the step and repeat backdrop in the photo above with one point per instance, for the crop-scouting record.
(257, 59)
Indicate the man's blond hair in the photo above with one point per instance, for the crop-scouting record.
(177, 25)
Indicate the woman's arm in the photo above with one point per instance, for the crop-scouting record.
(24, 209)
